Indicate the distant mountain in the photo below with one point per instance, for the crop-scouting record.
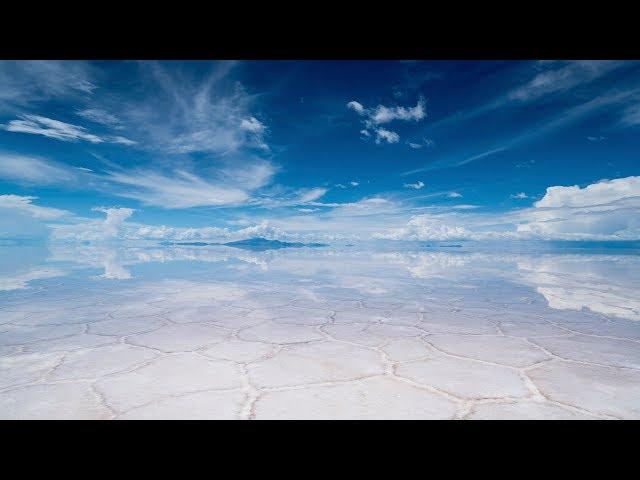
(251, 244)
(265, 244)
(191, 244)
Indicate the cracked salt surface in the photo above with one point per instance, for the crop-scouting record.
(210, 333)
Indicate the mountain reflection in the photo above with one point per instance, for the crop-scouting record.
(604, 283)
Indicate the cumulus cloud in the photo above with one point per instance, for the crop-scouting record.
(383, 114)
(384, 135)
(109, 228)
(356, 106)
(115, 218)
(519, 195)
(454, 195)
(374, 117)
(605, 191)
(426, 227)
(606, 210)
(416, 186)
(354, 184)
(212, 234)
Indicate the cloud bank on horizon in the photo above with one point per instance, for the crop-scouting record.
(403, 151)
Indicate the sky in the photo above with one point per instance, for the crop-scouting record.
(319, 150)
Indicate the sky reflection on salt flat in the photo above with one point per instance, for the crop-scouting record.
(606, 282)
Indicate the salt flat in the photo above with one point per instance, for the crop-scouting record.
(327, 333)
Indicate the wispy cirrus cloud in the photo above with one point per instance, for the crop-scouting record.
(184, 114)
(166, 188)
(566, 76)
(179, 189)
(549, 78)
(66, 132)
(631, 116)
(24, 204)
(101, 117)
(32, 170)
(545, 127)
(24, 82)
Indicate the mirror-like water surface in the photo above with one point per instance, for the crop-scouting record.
(456, 331)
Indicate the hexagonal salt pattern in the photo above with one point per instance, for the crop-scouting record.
(316, 336)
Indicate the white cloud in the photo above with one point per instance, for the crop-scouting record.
(23, 82)
(109, 228)
(519, 195)
(21, 280)
(454, 195)
(253, 125)
(356, 106)
(354, 184)
(256, 131)
(603, 192)
(115, 218)
(426, 227)
(364, 207)
(212, 234)
(606, 210)
(48, 127)
(181, 113)
(311, 195)
(631, 116)
(374, 117)
(566, 76)
(416, 186)
(415, 145)
(121, 140)
(26, 205)
(386, 135)
(25, 169)
(383, 114)
(181, 189)
(51, 128)
(97, 115)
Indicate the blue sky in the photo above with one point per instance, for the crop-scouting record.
(428, 150)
